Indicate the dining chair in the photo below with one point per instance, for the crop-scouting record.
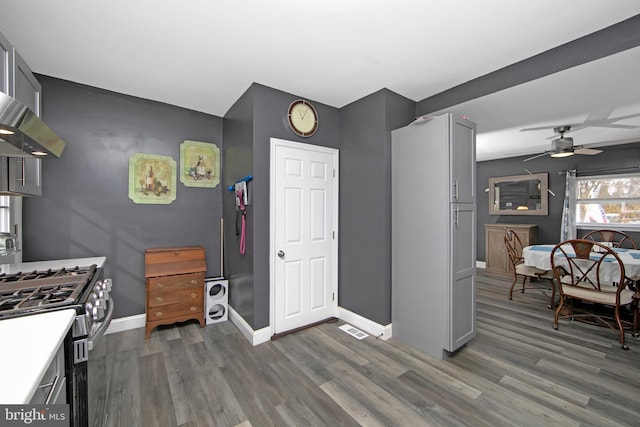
(615, 238)
(513, 246)
(583, 291)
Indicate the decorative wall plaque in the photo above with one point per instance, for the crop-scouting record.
(199, 164)
(152, 179)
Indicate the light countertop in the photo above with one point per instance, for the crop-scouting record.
(54, 264)
(29, 344)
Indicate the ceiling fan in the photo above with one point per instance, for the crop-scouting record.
(563, 146)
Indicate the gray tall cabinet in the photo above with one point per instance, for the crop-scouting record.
(434, 234)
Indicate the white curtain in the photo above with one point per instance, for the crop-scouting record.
(568, 227)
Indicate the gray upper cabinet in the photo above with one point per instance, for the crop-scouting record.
(463, 160)
(20, 175)
(6, 65)
(433, 223)
(26, 88)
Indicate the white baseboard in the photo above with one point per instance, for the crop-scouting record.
(377, 330)
(481, 264)
(261, 335)
(126, 323)
(254, 337)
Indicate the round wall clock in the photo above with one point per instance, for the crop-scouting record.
(303, 118)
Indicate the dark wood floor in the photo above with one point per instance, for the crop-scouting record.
(518, 371)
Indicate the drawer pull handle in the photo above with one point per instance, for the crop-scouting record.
(159, 299)
(194, 281)
(158, 314)
(193, 295)
(159, 285)
(194, 308)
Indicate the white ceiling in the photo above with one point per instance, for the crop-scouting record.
(203, 55)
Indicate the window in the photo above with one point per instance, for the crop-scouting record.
(5, 214)
(613, 200)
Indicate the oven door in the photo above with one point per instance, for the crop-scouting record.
(97, 370)
(90, 374)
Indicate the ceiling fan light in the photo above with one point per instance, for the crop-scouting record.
(563, 153)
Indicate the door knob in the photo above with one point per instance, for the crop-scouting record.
(281, 254)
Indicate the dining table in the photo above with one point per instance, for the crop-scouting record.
(540, 256)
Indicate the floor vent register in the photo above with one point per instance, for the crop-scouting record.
(354, 332)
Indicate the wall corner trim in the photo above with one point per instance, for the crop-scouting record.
(369, 326)
(254, 337)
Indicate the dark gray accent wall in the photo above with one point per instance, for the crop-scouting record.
(548, 226)
(261, 116)
(365, 202)
(85, 210)
(238, 163)
(613, 39)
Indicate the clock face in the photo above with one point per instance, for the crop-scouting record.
(303, 118)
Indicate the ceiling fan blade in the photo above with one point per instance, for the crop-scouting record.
(587, 151)
(540, 128)
(616, 126)
(598, 115)
(536, 156)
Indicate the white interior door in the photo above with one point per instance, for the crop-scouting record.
(304, 206)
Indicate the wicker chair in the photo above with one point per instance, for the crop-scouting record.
(513, 246)
(585, 293)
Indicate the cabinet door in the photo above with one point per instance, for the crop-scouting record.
(25, 174)
(496, 257)
(27, 88)
(462, 149)
(6, 66)
(462, 308)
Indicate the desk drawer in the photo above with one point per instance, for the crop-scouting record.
(175, 283)
(190, 294)
(174, 310)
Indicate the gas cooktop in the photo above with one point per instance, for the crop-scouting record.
(33, 290)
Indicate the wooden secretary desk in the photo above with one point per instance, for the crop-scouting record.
(175, 285)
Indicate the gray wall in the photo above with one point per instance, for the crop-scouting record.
(365, 202)
(85, 210)
(548, 226)
(238, 163)
(267, 108)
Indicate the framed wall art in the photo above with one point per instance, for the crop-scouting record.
(199, 164)
(152, 179)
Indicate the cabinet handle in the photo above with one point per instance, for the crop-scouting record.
(455, 186)
(193, 295)
(159, 299)
(194, 308)
(194, 282)
(159, 285)
(158, 314)
(23, 180)
(455, 221)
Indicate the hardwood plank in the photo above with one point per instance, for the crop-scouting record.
(157, 408)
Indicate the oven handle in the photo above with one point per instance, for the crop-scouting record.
(97, 335)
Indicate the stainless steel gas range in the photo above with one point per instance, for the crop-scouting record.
(84, 289)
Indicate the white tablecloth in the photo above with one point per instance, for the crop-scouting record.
(540, 256)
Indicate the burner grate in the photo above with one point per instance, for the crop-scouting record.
(42, 289)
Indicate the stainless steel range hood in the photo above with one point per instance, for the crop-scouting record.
(30, 136)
